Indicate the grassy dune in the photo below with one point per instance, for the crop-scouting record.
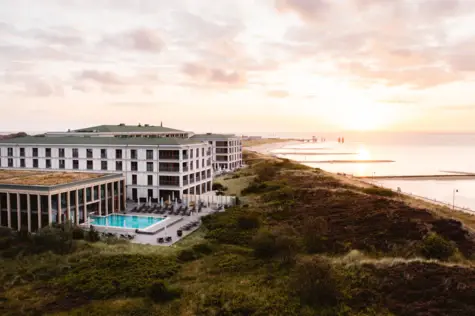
(302, 242)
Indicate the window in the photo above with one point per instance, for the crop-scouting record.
(202, 151)
(191, 153)
(118, 165)
(133, 154)
(191, 165)
(149, 154)
(133, 166)
(118, 154)
(89, 165)
(197, 152)
(197, 164)
(150, 193)
(48, 163)
(48, 152)
(75, 164)
(104, 165)
(10, 151)
(35, 152)
(88, 153)
(202, 163)
(22, 163)
(35, 163)
(150, 166)
(149, 180)
(62, 164)
(10, 162)
(22, 152)
(61, 152)
(104, 153)
(134, 179)
(75, 153)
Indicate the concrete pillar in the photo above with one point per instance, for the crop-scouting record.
(84, 198)
(124, 195)
(9, 211)
(76, 213)
(100, 199)
(39, 211)
(106, 196)
(113, 197)
(119, 199)
(28, 208)
(60, 211)
(18, 211)
(50, 215)
(68, 207)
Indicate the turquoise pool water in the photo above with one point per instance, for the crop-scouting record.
(125, 221)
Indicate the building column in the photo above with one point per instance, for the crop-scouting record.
(113, 197)
(50, 215)
(119, 201)
(0, 212)
(124, 194)
(18, 211)
(60, 211)
(76, 213)
(106, 196)
(28, 208)
(100, 198)
(9, 211)
(39, 211)
(84, 198)
(68, 207)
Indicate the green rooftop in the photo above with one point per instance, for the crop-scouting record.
(122, 128)
(75, 140)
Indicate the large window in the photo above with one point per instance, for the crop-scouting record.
(62, 164)
(104, 153)
(75, 164)
(48, 163)
(104, 165)
(118, 165)
(89, 153)
(149, 154)
(150, 166)
(118, 154)
(35, 163)
(133, 166)
(22, 163)
(75, 153)
(61, 152)
(22, 152)
(10, 151)
(48, 152)
(35, 152)
(149, 180)
(89, 165)
(133, 154)
(134, 179)
(10, 162)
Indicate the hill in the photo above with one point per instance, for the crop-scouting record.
(302, 242)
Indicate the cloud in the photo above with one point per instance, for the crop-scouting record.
(307, 9)
(142, 40)
(105, 77)
(40, 88)
(214, 75)
(278, 94)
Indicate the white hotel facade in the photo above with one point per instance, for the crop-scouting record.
(154, 167)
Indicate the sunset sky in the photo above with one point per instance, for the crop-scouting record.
(238, 65)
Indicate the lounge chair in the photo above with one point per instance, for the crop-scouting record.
(130, 237)
(123, 236)
(168, 239)
(160, 240)
(179, 233)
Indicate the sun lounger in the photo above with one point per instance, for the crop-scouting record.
(160, 240)
(123, 236)
(168, 239)
(130, 237)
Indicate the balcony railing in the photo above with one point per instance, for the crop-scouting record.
(170, 183)
(169, 157)
(169, 169)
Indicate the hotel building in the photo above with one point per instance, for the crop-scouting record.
(226, 148)
(153, 167)
(35, 199)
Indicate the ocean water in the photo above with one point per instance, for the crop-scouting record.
(410, 154)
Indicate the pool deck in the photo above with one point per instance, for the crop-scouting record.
(170, 231)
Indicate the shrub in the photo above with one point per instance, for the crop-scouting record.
(187, 255)
(5, 232)
(160, 291)
(92, 235)
(78, 233)
(203, 248)
(435, 246)
(57, 240)
(380, 191)
(315, 283)
(265, 171)
(268, 244)
(218, 187)
(314, 234)
(248, 221)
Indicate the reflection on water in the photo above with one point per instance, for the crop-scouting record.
(363, 154)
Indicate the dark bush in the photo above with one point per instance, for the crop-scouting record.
(435, 246)
(268, 244)
(266, 171)
(160, 291)
(236, 176)
(203, 248)
(5, 232)
(187, 255)
(314, 234)
(315, 283)
(92, 235)
(248, 221)
(380, 191)
(57, 240)
(218, 187)
(78, 233)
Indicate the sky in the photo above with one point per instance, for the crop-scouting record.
(238, 65)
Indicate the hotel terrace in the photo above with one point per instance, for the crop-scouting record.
(35, 199)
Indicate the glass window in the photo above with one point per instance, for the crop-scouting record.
(75, 164)
(10, 162)
(150, 180)
(133, 154)
(48, 163)
(10, 151)
(62, 164)
(133, 166)
(150, 166)
(61, 152)
(75, 153)
(134, 179)
(104, 153)
(35, 163)
(118, 154)
(22, 163)
(104, 165)
(118, 165)
(89, 165)
(89, 153)
(48, 152)
(22, 152)
(149, 154)
(35, 152)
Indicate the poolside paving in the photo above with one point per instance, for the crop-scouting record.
(169, 231)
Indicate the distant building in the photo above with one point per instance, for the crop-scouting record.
(35, 199)
(227, 150)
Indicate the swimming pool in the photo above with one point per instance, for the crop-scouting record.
(125, 221)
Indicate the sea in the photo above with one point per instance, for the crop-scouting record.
(395, 154)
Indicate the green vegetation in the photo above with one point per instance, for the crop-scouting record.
(303, 243)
